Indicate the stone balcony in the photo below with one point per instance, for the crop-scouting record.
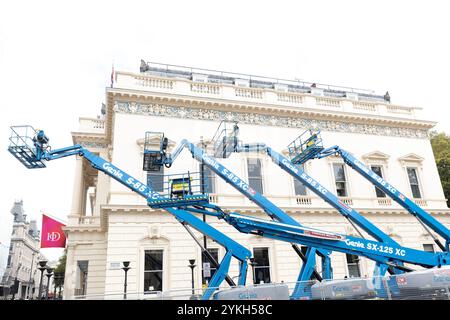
(289, 202)
(84, 223)
(278, 95)
(91, 125)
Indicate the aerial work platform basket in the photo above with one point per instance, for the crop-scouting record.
(225, 139)
(27, 145)
(180, 190)
(305, 147)
(185, 189)
(155, 145)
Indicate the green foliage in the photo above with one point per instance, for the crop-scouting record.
(440, 142)
(61, 269)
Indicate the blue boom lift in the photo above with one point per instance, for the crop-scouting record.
(302, 152)
(31, 147)
(387, 253)
(309, 146)
(312, 143)
(32, 155)
(308, 268)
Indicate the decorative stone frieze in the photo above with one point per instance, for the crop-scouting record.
(93, 144)
(263, 119)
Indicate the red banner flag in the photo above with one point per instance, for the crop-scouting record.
(52, 235)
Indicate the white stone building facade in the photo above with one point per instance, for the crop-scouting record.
(190, 105)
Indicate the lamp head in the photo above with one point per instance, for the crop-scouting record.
(126, 263)
(191, 262)
(43, 263)
(49, 270)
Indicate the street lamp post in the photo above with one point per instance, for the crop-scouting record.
(125, 268)
(31, 274)
(42, 267)
(49, 275)
(192, 266)
(56, 277)
(16, 287)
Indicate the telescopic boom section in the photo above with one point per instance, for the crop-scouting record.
(398, 197)
(336, 242)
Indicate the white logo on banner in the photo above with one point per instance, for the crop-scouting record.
(54, 236)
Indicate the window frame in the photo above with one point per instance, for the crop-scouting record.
(382, 176)
(269, 267)
(419, 181)
(154, 271)
(140, 277)
(294, 181)
(201, 268)
(357, 264)
(260, 160)
(347, 184)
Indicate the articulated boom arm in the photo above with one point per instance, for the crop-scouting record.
(272, 210)
(233, 249)
(423, 216)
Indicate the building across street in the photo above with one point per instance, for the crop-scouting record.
(21, 278)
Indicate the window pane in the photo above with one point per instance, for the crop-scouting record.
(155, 180)
(339, 176)
(351, 258)
(300, 189)
(353, 270)
(153, 260)
(353, 266)
(254, 174)
(261, 256)
(339, 172)
(209, 180)
(340, 189)
(377, 170)
(254, 168)
(415, 191)
(262, 275)
(412, 175)
(153, 281)
(428, 247)
(414, 182)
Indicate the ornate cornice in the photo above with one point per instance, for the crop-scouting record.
(293, 121)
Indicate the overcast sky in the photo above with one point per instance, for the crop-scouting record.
(56, 58)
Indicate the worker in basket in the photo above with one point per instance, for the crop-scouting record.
(180, 187)
(311, 140)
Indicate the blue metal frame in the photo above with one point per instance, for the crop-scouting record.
(271, 209)
(233, 249)
(312, 144)
(391, 191)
